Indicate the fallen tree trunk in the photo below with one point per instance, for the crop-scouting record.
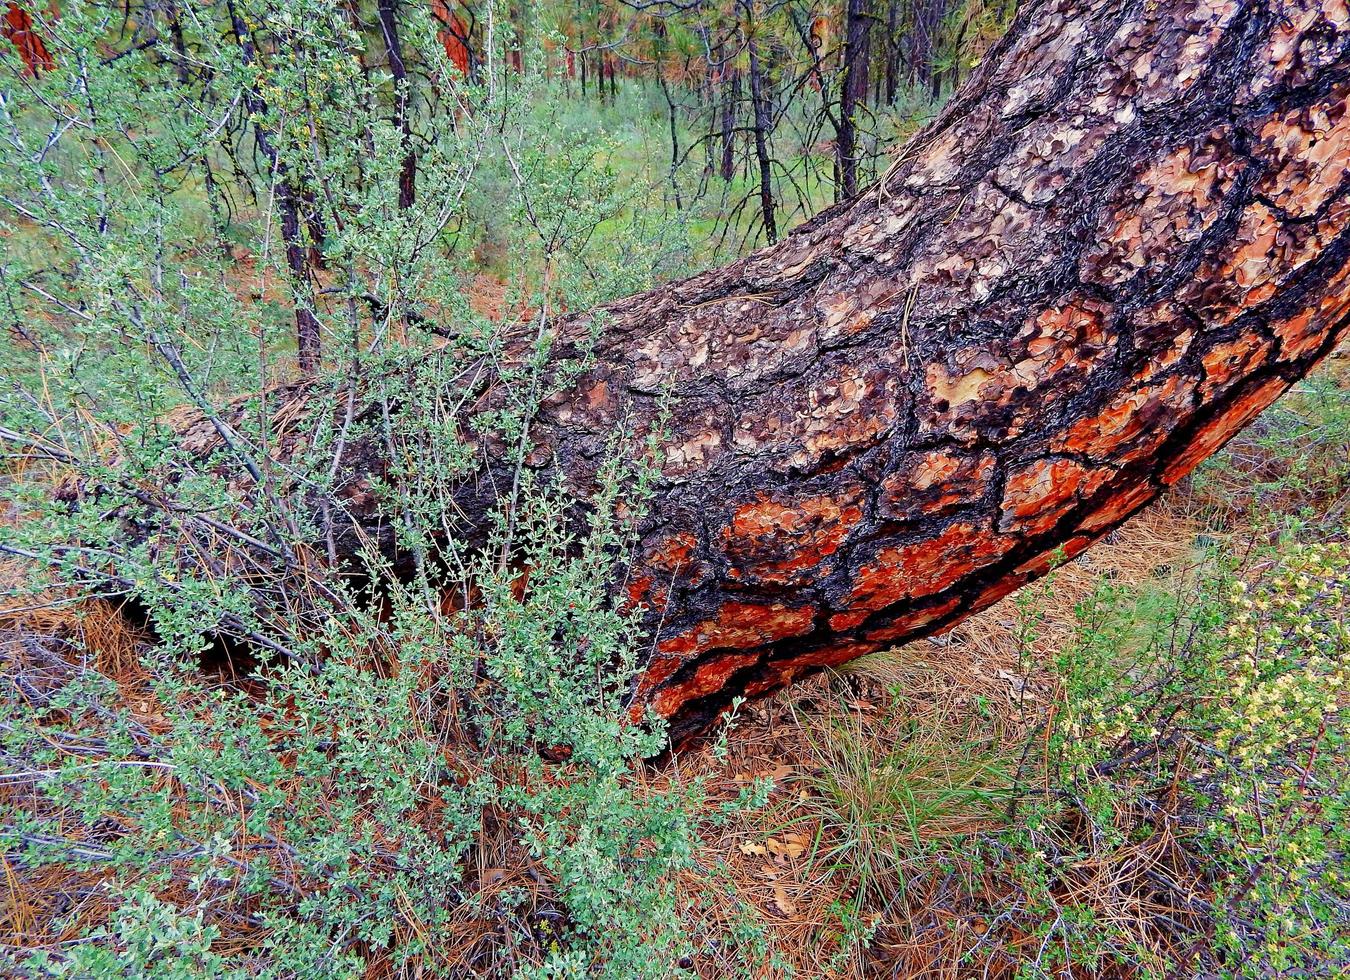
(1124, 237)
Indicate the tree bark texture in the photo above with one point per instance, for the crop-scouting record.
(1124, 237)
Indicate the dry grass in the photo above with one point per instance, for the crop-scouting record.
(787, 867)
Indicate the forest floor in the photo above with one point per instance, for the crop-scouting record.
(862, 862)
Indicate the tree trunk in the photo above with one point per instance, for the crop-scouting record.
(1125, 236)
(387, 11)
(760, 110)
(892, 50)
(308, 338)
(852, 93)
(731, 95)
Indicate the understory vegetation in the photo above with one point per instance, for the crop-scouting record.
(219, 757)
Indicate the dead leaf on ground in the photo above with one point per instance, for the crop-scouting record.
(791, 847)
(781, 773)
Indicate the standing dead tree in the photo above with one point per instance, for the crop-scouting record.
(1125, 236)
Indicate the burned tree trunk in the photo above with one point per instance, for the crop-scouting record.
(759, 105)
(1125, 236)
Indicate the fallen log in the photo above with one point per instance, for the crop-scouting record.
(1123, 238)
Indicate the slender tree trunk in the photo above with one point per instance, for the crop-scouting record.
(717, 73)
(939, 15)
(892, 49)
(308, 338)
(1123, 238)
(852, 93)
(674, 142)
(387, 11)
(731, 96)
(763, 121)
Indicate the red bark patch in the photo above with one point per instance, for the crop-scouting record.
(1223, 427)
(709, 678)
(778, 541)
(1038, 495)
(741, 626)
(1306, 331)
(924, 567)
(1133, 425)
(925, 484)
(780, 674)
(676, 558)
(1119, 506)
(907, 626)
(1231, 361)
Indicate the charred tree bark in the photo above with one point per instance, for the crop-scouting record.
(1125, 237)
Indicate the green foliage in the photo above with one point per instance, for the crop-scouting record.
(1207, 738)
(300, 770)
(343, 800)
